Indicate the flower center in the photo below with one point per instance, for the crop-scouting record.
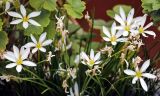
(127, 28)
(139, 74)
(141, 30)
(25, 19)
(113, 38)
(19, 61)
(91, 62)
(39, 45)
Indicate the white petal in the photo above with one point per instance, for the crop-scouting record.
(42, 49)
(14, 14)
(148, 25)
(134, 80)
(122, 13)
(16, 21)
(19, 68)
(34, 14)
(47, 42)
(143, 84)
(145, 66)
(143, 20)
(122, 39)
(34, 50)
(29, 45)
(23, 10)
(33, 39)
(97, 56)
(10, 56)
(150, 33)
(25, 53)
(119, 19)
(92, 54)
(7, 6)
(106, 32)
(144, 35)
(106, 39)
(84, 56)
(33, 22)
(29, 63)
(129, 72)
(125, 33)
(113, 29)
(16, 51)
(11, 65)
(114, 43)
(130, 17)
(119, 27)
(119, 33)
(97, 62)
(42, 37)
(25, 25)
(148, 75)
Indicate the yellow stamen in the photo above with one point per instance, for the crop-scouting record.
(139, 74)
(127, 28)
(113, 38)
(19, 61)
(91, 62)
(141, 30)
(25, 19)
(39, 45)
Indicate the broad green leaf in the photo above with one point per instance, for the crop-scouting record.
(115, 10)
(37, 4)
(73, 27)
(49, 5)
(33, 30)
(43, 19)
(99, 23)
(75, 8)
(51, 29)
(4, 40)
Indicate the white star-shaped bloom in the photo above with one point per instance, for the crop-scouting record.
(143, 29)
(140, 73)
(92, 59)
(23, 17)
(126, 23)
(113, 36)
(18, 57)
(38, 45)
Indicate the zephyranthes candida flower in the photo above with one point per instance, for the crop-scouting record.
(92, 59)
(38, 45)
(113, 36)
(18, 57)
(26, 19)
(140, 73)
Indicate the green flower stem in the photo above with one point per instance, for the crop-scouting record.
(86, 82)
(39, 56)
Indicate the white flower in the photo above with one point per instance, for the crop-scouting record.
(26, 19)
(91, 60)
(40, 44)
(140, 73)
(7, 6)
(126, 23)
(113, 36)
(18, 57)
(143, 29)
